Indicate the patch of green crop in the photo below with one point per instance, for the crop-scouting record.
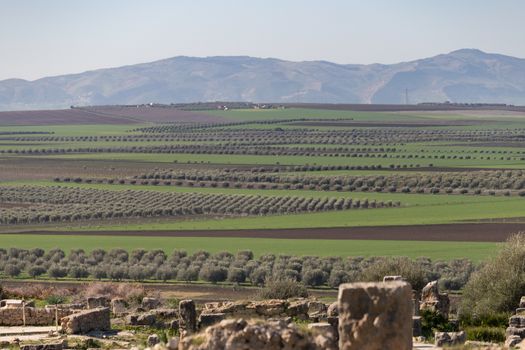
(435, 250)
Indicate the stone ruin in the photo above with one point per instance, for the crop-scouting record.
(515, 333)
(15, 312)
(433, 300)
(58, 345)
(449, 338)
(243, 334)
(369, 316)
(73, 318)
(366, 316)
(86, 321)
(375, 316)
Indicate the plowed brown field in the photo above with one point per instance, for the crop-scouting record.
(468, 232)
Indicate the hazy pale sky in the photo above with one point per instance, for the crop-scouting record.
(50, 37)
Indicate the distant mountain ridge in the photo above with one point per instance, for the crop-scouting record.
(466, 75)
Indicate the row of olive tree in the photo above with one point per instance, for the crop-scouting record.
(243, 267)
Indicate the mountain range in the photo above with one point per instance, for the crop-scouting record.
(462, 76)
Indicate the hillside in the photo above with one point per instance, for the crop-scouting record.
(461, 76)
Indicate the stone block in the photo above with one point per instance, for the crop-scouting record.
(298, 308)
(141, 319)
(375, 316)
(321, 327)
(316, 308)
(522, 302)
(119, 306)
(518, 331)
(332, 310)
(270, 308)
(96, 302)
(165, 313)
(86, 321)
(449, 338)
(45, 346)
(433, 300)
(150, 303)
(206, 320)
(153, 340)
(187, 317)
(512, 341)
(517, 321)
(392, 278)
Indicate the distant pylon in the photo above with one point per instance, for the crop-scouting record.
(406, 96)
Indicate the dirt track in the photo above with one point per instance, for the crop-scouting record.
(201, 293)
(472, 232)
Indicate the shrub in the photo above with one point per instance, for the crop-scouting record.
(118, 273)
(137, 273)
(432, 321)
(245, 255)
(236, 275)
(132, 293)
(258, 276)
(291, 274)
(12, 270)
(498, 286)
(314, 277)
(56, 271)
(189, 274)
(164, 274)
(410, 270)
(283, 289)
(486, 334)
(56, 299)
(99, 272)
(338, 277)
(78, 272)
(500, 320)
(213, 274)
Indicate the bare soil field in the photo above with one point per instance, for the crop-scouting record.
(464, 232)
(155, 114)
(415, 124)
(59, 117)
(35, 168)
(14, 205)
(517, 111)
(104, 115)
(402, 108)
(15, 169)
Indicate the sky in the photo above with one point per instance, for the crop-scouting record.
(51, 37)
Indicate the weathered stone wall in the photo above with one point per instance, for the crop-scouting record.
(45, 346)
(516, 330)
(33, 316)
(87, 321)
(266, 308)
(269, 335)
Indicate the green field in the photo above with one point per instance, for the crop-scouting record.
(434, 250)
(291, 160)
